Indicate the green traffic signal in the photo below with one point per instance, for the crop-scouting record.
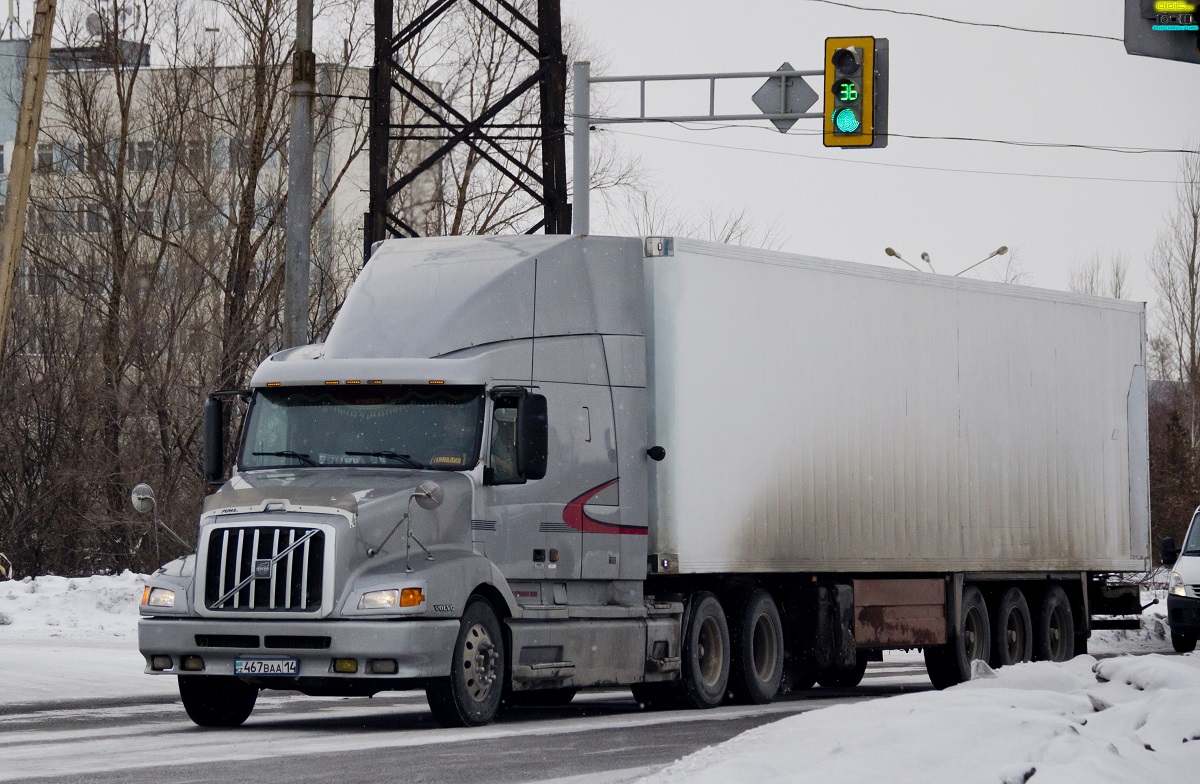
(846, 120)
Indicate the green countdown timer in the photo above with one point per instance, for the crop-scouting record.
(845, 90)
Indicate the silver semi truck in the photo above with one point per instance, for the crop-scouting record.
(521, 466)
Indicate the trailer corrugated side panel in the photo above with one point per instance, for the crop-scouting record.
(830, 416)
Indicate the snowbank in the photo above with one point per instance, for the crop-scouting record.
(70, 639)
(1128, 719)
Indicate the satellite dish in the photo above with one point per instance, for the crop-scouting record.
(128, 17)
(142, 497)
(94, 24)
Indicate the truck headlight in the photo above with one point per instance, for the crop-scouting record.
(392, 597)
(1175, 586)
(158, 597)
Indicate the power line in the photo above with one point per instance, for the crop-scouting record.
(966, 22)
(897, 165)
(1120, 149)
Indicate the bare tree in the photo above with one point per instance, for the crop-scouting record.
(1174, 264)
(1088, 277)
(650, 213)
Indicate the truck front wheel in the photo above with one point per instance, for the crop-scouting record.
(470, 696)
(705, 653)
(217, 700)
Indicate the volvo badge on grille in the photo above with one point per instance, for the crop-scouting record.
(262, 568)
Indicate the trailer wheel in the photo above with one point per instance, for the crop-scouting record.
(1012, 630)
(949, 665)
(705, 653)
(1054, 638)
(217, 700)
(1183, 643)
(844, 679)
(757, 643)
(470, 695)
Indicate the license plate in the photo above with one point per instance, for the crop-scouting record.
(266, 667)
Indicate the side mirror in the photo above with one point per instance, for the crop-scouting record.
(533, 436)
(214, 441)
(1169, 554)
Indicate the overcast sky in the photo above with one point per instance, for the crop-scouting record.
(956, 200)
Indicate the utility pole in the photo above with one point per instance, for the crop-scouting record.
(440, 127)
(12, 234)
(298, 233)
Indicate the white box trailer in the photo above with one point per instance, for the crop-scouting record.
(521, 466)
(831, 416)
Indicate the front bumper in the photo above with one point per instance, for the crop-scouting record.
(421, 649)
(1183, 614)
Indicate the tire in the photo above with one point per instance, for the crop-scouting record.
(217, 700)
(757, 645)
(803, 677)
(1183, 643)
(658, 695)
(705, 654)
(1012, 630)
(470, 696)
(844, 679)
(1054, 635)
(949, 665)
(543, 698)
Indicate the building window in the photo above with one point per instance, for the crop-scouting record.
(45, 157)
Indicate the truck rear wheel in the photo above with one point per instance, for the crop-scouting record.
(1054, 638)
(757, 644)
(1012, 630)
(705, 653)
(217, 700)
(949, 665)
(470, 695)
(1183, 643)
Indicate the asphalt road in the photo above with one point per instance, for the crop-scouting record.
(601, 737)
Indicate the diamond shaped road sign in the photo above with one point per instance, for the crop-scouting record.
(785, 95)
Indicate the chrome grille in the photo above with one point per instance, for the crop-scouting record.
(264, 568)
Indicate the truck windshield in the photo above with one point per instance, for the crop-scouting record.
(392, 426)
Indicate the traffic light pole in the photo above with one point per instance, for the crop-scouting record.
(583, 120)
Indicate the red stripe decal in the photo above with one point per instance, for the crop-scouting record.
(575, 516)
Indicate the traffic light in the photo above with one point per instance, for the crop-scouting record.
(856, 80)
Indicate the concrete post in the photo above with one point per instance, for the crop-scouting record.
(581, 76)
(298, 227)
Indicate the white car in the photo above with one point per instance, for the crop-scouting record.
(1183, 590)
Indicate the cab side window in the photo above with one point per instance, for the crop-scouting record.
(502, 457)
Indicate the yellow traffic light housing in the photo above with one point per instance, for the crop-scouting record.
(855, 92)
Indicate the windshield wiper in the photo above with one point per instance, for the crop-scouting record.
(301, 456)
(405, 459)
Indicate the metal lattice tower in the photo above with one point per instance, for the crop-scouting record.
(440, 127)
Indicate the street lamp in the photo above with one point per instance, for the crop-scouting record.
(925, 258)
(891, 252)
(997, 252)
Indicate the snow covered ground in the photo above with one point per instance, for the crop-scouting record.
(1128, 718)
